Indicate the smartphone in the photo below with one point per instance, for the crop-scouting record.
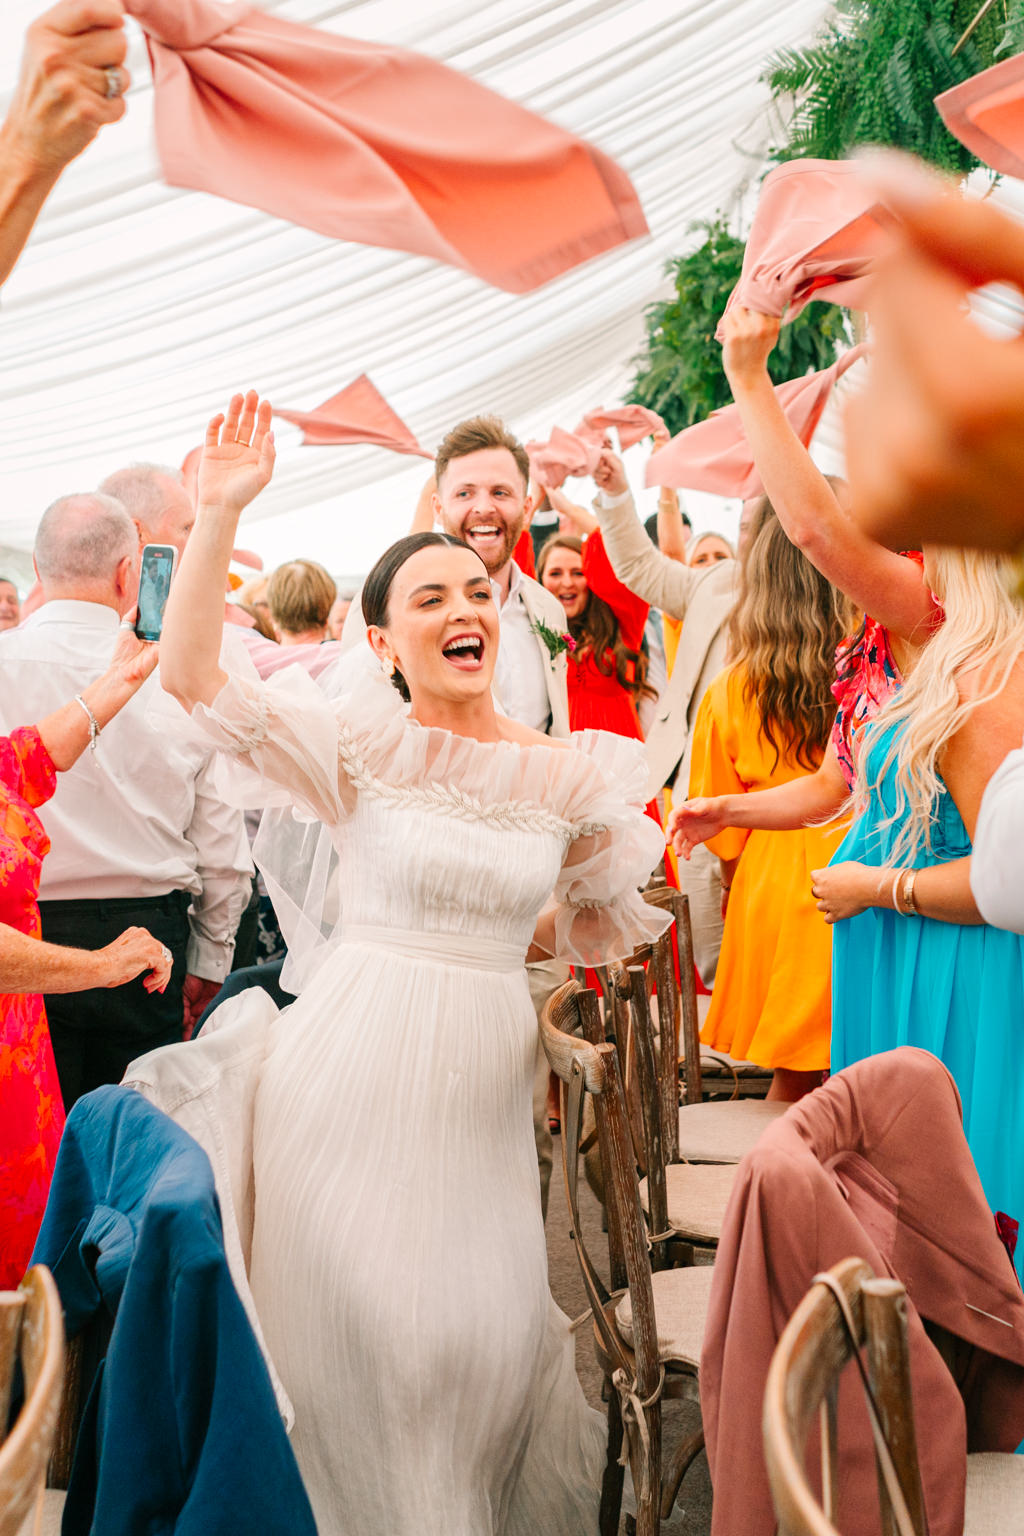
(158, 562)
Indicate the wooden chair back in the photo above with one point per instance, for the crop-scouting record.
(32, 1327)
(845, 1310)
(632, 983)
(676, 982)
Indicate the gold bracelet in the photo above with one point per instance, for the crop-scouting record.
(908, 893)
(897, 877)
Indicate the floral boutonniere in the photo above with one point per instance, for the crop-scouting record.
(556, 642)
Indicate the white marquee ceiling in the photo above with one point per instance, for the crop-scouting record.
(138, 309)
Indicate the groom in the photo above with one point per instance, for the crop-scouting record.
(482, 476)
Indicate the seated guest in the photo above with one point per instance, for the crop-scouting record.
(156, 501)
(300, 596)
(10, 604)
(139, 834)
(33, 1113)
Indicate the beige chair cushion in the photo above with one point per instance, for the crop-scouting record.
(680, 1307)
(723, 1133)
(698, 1194)
(53, 1513)
(995, 1495)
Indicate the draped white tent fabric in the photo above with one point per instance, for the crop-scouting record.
(137, 309)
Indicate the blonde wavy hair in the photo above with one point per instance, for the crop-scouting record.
(984, 630)
(784, 631)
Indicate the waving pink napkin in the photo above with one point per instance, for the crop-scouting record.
(565, 454)
(367, 142)
(813, 237)
(714, 455)
(634, 423)
(986, 113)
(356, 414)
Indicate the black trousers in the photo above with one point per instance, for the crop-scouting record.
(97, 1033)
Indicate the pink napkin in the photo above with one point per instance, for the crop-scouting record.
(813, 237)
(714, 456)
(356, 414)
(565, 454)
(366, 142)
(986, 113)
(634, 422)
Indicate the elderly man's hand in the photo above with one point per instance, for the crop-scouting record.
(73, 61)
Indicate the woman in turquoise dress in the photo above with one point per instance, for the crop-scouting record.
(912, 962)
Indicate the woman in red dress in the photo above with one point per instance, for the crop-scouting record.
(31, 1109)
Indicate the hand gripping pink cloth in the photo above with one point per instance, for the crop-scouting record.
(370, 143)
(714, 455)
(986, 113)
(356, 414)
(634, 423)
(813, 237)
(565, 454)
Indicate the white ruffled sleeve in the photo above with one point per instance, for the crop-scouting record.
(600, 914)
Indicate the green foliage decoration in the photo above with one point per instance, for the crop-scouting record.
(679, 373)
(872, 75)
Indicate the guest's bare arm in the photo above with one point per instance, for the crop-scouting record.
(941, 891)
(801, 802)
(423, 517)
(237, 462)
(877, 580)
(59, 105)
(66, 733)
(30, 965)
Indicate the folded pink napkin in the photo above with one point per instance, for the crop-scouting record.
(367, 142)
(714, 455)
(634, 423)
(565, 454)
(356, 414)
(813, 237)
(986, 113)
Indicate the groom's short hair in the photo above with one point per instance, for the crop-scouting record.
(474, 434)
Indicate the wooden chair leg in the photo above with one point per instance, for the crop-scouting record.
(611, 1484)
(648, 1507)
(686, 1454)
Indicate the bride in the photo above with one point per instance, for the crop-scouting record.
(398, 1263)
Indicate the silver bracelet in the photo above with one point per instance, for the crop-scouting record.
(94, 725)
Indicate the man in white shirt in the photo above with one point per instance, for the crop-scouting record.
(138, 834)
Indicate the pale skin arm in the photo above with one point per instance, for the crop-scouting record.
(816, 797)
(59, 106)
(671, 529)
(879, 582)
(30, 965)
(578, 519)
(237, 462)
(423, 517)
(65, 734)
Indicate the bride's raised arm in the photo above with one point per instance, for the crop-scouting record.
(237, 462)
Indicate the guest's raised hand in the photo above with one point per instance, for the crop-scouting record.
(238, 454)
(72, 82)
(572, 518)
(609, 476)
(747, 344)
(695, 821)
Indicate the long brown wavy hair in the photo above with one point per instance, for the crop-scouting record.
(784, 630)
(597, 629)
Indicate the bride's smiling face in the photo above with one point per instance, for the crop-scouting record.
(442, 625)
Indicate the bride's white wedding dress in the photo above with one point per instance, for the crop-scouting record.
(397, 1258)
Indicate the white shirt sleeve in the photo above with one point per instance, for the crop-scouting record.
(997, 865)
(217, 832)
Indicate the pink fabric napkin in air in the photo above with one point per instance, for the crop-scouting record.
(634, 423)
(366, 142)
(813, 237)
(986, 113)
(564, 455)
(714, 455)
(356, 414)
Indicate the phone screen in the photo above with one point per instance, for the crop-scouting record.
(154, 585)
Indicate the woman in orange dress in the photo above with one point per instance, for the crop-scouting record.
(765, 721)
(31, 1108)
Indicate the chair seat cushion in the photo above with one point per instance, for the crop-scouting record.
(680, 1307)
(723, 1133)
(718, 1064)
(53, 1513)
(995, 1495)
(698, 1194)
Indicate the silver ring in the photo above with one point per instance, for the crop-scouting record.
(114, 85)
(168, 957)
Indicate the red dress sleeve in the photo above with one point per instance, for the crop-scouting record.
(523, 555)
(630, 610)
(26, 768)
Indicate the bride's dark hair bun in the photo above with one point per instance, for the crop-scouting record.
(377, 586)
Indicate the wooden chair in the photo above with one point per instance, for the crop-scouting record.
(31, 1325)
(715, 1132)
(648, 1328)
(844, 1311)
